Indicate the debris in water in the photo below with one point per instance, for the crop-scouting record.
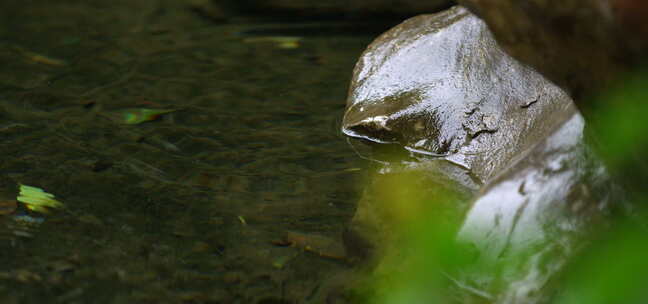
(351, 169)
(41, 59)
(282, 42)
(318, 244)
(135, 116)
(242, 220)
(45, 60)
(37, 200)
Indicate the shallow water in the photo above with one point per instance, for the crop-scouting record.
(184, 208)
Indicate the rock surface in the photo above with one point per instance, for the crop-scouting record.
(441, 87)
(505, 140)
(532, 219)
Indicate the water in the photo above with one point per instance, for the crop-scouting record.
(184, 208)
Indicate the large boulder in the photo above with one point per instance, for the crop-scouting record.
(503, 142)
(440, 86)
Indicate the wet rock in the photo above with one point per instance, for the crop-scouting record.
(533, 219)
(504, 142)
(441, 87)
(592, 48)
(584, 46)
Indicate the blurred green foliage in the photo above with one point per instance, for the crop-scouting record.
(615, 268)
(420, 251)
(620, 120)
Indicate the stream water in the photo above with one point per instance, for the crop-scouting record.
(186, 208)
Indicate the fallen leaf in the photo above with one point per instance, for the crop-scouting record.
(135, 116)
(37, 200)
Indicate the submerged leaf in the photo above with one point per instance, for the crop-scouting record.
(139, 115)
(37, 200)
(282, 42)
(37, 58)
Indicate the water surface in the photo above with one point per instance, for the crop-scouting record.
(184, 208)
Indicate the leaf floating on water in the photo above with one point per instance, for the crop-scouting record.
(282, 42)
(139, 115)
(37, 200)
